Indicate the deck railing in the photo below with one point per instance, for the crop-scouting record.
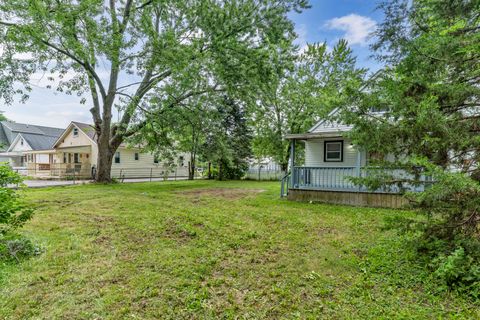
(337, 178)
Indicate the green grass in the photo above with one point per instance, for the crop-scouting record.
(194, 250)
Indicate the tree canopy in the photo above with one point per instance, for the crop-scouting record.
(424, 110)
(120, 54)
(313, 83)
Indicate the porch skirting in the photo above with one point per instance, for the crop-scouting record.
(364, 199)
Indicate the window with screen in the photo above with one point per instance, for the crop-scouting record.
(117, 157)
(333, 151)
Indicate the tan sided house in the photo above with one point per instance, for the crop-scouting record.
(75, 153)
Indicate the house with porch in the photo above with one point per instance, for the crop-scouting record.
(330, 160)
(18, 138)
(75, 153)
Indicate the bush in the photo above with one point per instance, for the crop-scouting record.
(13, 211)
(459, 271)
(14, 248)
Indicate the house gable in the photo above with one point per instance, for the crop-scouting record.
(73, 136)
(19, 144)
(327, 125)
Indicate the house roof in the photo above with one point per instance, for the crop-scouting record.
(39, 142)
(38, 135)
(88, 129)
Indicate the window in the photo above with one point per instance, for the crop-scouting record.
(137, 156)
(117, 157)
(64, 157)
(181, 161)
(333, 151)
(75, 158)
(155, 159)
(21, 142)
(75, 132)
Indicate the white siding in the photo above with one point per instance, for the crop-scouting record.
(144, 165)
(18, 146)
(314, 150)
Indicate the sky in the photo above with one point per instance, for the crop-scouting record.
(327, 21)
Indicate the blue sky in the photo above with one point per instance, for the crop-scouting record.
(327, 20)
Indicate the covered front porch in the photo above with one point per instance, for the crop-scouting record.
(62, 163)
(330, 161)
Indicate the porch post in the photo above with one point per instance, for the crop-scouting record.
(358, 165)
(292, 161)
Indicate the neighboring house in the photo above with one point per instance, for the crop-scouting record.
(75, 153)
(264, 169)
(330, 159)
(18, 138)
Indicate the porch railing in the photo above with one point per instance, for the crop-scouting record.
(337, 178)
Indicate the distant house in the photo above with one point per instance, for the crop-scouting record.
(330, 160)
(264, 169)
(18, 138)
(75, 152)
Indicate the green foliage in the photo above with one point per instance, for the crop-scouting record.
(460, 271)
(228, 144)
(305, 88)
(160, 51)
(13, 211)
(422, 112)
(14, 248)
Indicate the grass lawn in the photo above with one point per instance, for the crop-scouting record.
(213, 250)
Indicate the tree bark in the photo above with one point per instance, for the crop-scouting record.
(191, 167)
(104, 164)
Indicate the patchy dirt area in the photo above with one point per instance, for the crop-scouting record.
(224, 193)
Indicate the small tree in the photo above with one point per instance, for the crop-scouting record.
(13, 212)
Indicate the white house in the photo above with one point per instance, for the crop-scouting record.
(75, 152)
(330, 160)
(18, 138)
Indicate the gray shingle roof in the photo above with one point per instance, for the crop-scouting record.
(38, 137)
(88, 129)
(39, 142)
(3, 140)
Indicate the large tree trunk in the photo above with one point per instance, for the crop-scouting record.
(105, 151)
(104, 164)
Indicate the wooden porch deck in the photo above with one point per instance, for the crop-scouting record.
(332, 185)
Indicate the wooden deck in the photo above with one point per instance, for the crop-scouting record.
(355, 198)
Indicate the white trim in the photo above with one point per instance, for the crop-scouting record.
(15, 141)
(67, 130)
(322, 121)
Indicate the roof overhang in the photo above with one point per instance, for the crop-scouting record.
(11, 154)
(79, 149)
(40, 151)
(313, 135)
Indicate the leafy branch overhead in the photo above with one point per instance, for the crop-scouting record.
(118, 54)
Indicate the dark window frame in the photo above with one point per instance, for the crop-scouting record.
(325, 150)
(116, 159)
(75, 132)
(137, 156)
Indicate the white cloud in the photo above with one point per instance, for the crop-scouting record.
(301, 40)
(357, 28)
